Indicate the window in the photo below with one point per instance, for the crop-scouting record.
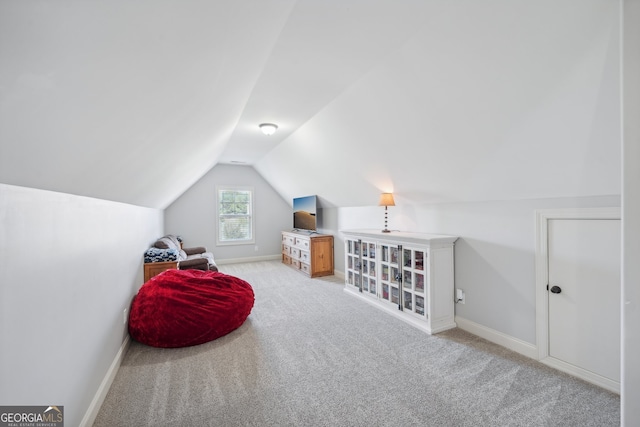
(235, 215)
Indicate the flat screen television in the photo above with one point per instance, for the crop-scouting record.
(304, 213)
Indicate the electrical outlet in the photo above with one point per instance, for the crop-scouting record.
(125, 316)
(459, 296)
(255, 248)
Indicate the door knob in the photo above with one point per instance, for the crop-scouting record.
(555, 289)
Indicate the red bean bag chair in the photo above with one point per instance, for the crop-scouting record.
(180, 308)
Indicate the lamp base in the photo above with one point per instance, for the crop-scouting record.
(386, 231)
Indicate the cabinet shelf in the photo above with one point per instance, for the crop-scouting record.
(409, 275)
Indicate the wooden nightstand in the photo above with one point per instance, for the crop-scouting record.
(154, 268)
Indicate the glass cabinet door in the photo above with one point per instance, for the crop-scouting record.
(369, 265)
(361, 265)
(414, 296)
(351, 262)
(365, 272)
(389, 273)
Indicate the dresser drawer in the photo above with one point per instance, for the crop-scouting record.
(306, 268)
(288, 240)
(302, 243)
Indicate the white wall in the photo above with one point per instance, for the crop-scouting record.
(193, 215)
(494, 255)
(69, 266)
(631, 217)
(490, 111)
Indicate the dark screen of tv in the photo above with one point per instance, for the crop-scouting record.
(304, 213)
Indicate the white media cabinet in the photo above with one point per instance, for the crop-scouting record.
(409, 275)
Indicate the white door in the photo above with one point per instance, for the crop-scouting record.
(584, 297)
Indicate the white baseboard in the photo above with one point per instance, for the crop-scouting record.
(101, 394)
(584, 374)
(249, 259)
(496, 337)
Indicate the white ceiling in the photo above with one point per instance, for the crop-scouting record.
(486, 100)
(135, 101)
(323, 48)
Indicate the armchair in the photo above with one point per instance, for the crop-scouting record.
(168, 252)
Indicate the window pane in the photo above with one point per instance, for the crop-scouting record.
(234, 209)
(242, 197)
(235, 222)
(240, 208)
(235, 228)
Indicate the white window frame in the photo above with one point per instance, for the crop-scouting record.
(252, 239)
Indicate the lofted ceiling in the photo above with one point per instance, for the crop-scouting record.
(136, 101)
(323, 48)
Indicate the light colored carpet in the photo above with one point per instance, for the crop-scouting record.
(311, 355)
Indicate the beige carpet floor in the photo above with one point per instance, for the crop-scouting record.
(311, 355)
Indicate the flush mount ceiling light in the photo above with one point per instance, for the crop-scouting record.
(268, 128)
